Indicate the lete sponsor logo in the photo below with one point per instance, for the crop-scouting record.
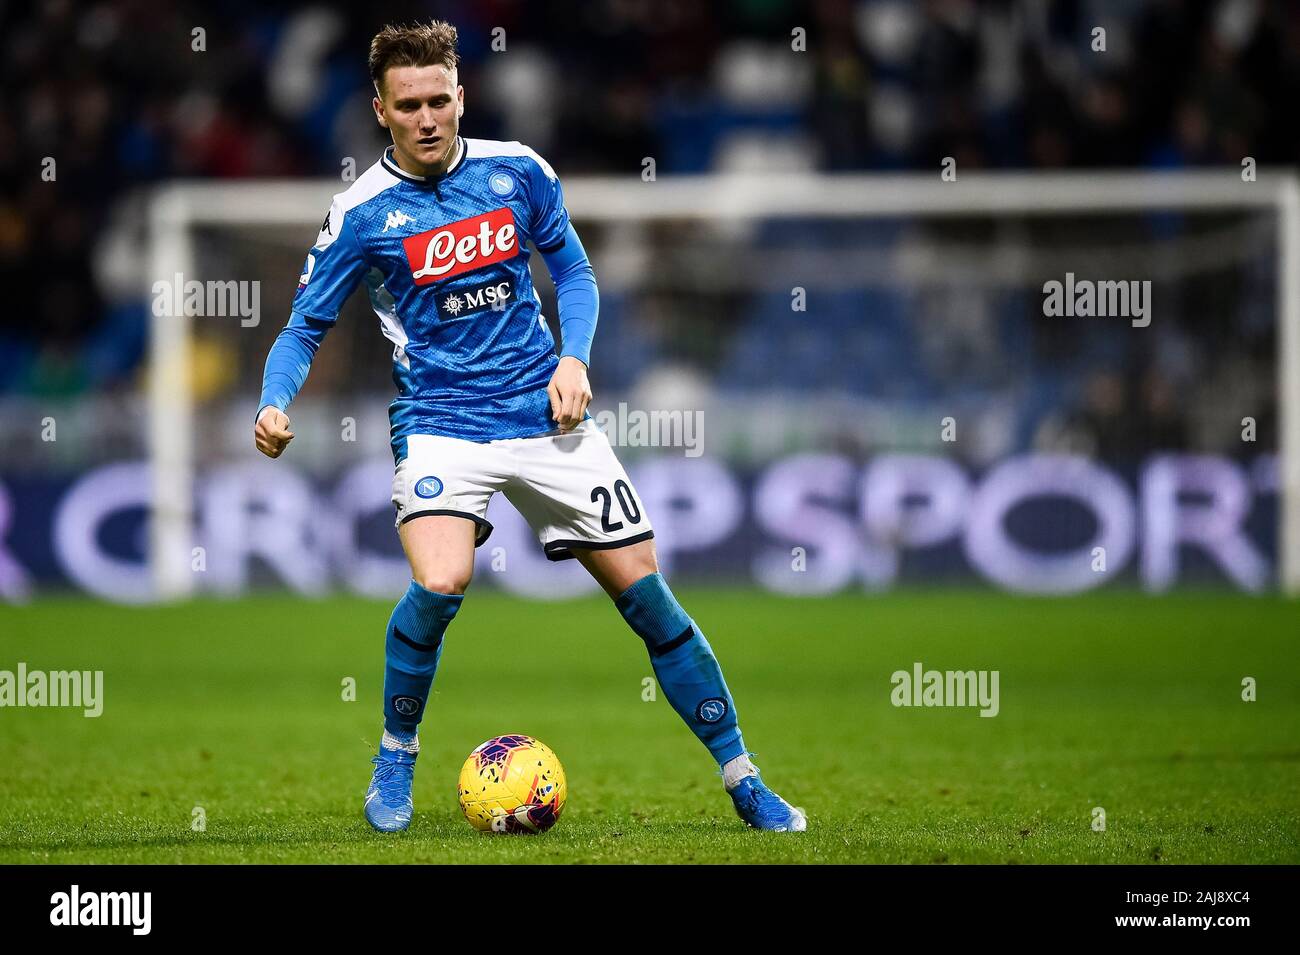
(462, 246)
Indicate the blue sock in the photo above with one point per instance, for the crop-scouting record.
(684, 663)
(412, 651)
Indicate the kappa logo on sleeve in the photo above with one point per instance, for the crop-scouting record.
(462, 246)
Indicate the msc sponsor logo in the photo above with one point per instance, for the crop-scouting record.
(463, 246)
(456, 304)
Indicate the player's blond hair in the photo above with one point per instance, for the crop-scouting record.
(415, 44)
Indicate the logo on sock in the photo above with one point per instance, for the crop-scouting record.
(406, 705)
(711, 710)
(428, 487)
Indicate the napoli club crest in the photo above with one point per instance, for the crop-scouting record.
(406, 705)
(711, 710)
(428, 487)
(502, 184)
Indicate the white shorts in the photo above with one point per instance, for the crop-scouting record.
(569, 487)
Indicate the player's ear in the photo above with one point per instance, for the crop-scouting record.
(378, 105)
(460, 101)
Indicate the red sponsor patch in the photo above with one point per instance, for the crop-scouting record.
(462, 246)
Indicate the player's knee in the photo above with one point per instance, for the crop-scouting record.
(640, 571)
(444, 582)
(643, 564)
(623, 568)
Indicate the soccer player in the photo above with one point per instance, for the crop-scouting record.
(437, 231)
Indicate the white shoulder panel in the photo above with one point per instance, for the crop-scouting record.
(487, 148)
(370, 184)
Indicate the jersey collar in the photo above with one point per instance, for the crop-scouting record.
(391, 165)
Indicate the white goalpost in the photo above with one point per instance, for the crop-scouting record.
(177, 209)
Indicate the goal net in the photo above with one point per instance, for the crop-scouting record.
(1045, 382)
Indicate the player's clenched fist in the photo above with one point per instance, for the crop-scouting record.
(569, 392)
(272, 432)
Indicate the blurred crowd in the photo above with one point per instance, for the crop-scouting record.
(104, 98)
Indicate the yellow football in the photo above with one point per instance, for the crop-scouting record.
(512, 784)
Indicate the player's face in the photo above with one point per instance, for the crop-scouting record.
(421, 106)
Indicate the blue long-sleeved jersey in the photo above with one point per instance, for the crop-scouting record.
(445, 263)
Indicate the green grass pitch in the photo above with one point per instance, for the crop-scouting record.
(1115, 700)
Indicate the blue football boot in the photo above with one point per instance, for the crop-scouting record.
(388, 800)
(764, 809)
